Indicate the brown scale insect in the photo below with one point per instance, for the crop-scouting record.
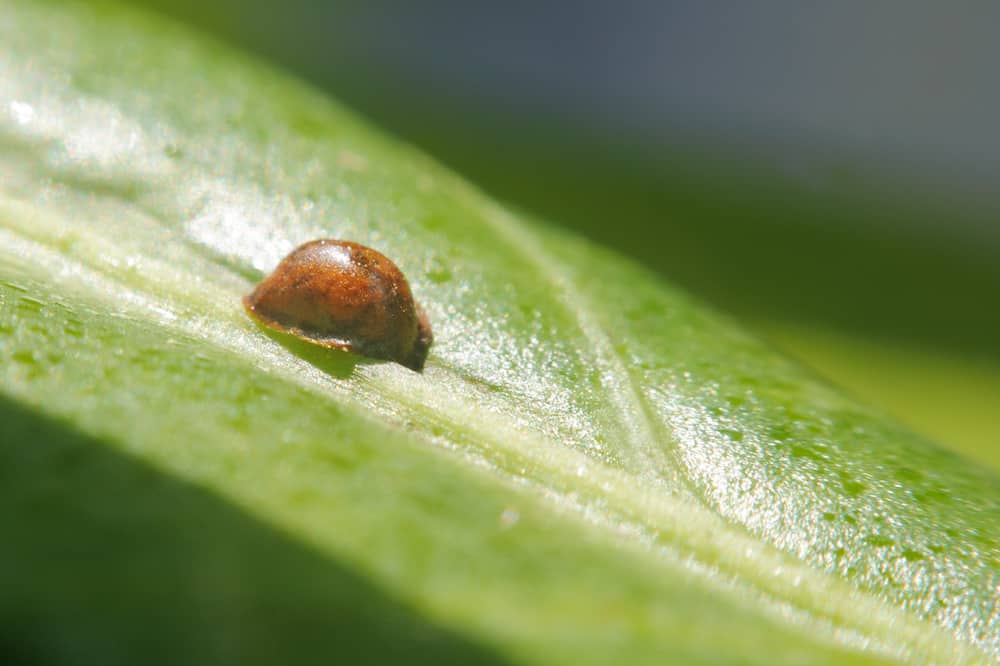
(344, 295)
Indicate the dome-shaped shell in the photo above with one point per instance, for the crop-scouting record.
(347, 296)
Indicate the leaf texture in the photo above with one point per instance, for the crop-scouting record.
(593, 466)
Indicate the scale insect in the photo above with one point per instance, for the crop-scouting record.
(344, 295)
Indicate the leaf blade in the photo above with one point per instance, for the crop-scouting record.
(559, 368)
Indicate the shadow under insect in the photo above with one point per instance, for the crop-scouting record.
(337, 363)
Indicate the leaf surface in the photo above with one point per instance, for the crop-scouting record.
(593, 467)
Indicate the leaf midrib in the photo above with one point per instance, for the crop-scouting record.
(728, 555)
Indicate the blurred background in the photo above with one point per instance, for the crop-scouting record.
(825, 172)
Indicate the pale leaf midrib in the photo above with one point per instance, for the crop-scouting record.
(655, 511)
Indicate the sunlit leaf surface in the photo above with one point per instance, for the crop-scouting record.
(592, 468)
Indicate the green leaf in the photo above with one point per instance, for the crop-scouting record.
(593, 468)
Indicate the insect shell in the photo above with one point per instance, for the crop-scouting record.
(344, 295)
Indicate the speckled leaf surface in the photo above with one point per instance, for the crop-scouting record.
(592, 468)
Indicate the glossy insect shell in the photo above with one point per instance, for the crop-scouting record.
(346, 296)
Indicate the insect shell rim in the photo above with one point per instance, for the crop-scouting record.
(296, 332)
